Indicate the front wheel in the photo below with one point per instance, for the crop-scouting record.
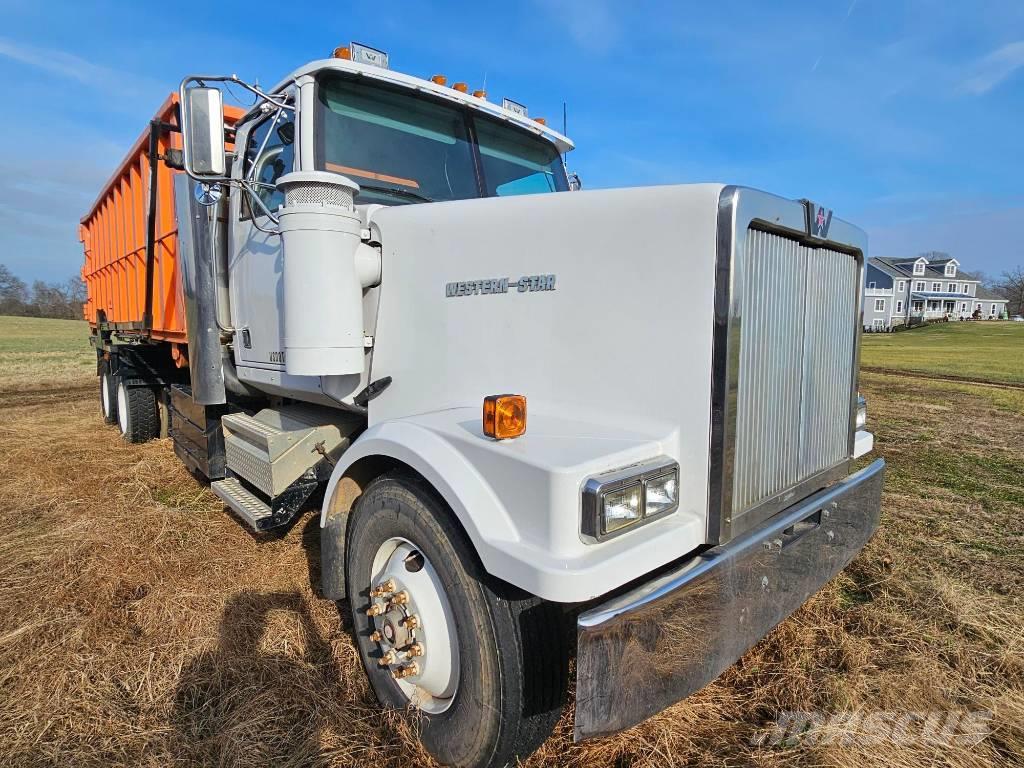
(483, 665)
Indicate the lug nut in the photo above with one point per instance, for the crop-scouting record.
(409, 670)
(416, 649)
(387, 659)
(384, 588)
(375, 636)
(400, 598)
(375, 610)
(411, 622)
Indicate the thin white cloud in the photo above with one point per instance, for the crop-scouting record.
(994, 68)
(72, 67)
(590, 24)
(57, 62)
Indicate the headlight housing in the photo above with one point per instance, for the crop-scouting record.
(621, 500)
(862, 412)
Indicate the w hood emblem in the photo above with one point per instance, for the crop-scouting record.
(819, 219)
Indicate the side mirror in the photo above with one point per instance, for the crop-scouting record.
(203, 126)
(575, 185)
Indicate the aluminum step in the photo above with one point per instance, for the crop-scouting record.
(247, 505)
(275, 447)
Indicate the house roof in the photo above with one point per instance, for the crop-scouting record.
(904, 268)
(987, 295)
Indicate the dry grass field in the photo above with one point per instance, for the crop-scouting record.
(141, 625)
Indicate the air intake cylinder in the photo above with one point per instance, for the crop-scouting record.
(323, 296)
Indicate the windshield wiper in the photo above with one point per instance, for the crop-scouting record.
(396, 192)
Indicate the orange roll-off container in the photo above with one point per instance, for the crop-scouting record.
(130, 238)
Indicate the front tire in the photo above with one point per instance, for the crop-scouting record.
(137, 415)
(509, 648)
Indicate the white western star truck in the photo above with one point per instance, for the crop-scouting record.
(634, 411)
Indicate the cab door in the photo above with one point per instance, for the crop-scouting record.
(255, 265)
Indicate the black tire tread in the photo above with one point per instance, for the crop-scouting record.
(143, 417)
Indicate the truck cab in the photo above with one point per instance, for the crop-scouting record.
(634, 410)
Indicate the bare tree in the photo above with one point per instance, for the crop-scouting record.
(77, 295)
(13, 293)
(1011, 287)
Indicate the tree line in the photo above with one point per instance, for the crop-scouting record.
(65, 300)
(42, 299)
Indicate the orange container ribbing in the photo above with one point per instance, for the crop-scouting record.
(113, 235)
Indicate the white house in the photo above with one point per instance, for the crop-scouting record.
(900, 291)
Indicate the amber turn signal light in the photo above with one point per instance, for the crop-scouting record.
(343, 52)
(504, 416)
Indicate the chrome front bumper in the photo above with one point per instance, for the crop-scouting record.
(647, 649)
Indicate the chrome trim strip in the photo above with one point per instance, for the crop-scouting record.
(740, 208)
(645, 649)
(197, 253)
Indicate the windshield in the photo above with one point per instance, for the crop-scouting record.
(402, 148)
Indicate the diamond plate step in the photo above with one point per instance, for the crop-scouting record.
(252, 509)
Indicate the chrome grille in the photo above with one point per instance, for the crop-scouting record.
(797, 324)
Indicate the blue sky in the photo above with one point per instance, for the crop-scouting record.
(906, 117)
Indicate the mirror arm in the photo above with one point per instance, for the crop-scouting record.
(201, 80)
(251, 175)
(247, 186)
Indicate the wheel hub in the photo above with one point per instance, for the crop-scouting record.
(413, 627)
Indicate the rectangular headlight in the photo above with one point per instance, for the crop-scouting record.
(661, 494)
(621, 507)
(616, 501)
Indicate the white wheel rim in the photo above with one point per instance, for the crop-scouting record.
(433, 687)
(105, 394)
(122, 408)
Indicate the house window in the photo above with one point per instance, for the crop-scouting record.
(919, 268)
(978, 305)
(918, 306)
(878, 323)
(951, 270)
(994, 309)
(919, 285)
(899, 307)
(963, 306)
(951, 288)
(880, 305)
(936, 287)
(966, 288)
(901, 286)
(871, 286)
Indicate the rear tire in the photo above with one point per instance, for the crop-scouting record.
(512, 656)
(137, 415)
(108, 397)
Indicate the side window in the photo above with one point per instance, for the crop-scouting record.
(269, 154)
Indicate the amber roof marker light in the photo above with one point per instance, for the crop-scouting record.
(504, 416)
